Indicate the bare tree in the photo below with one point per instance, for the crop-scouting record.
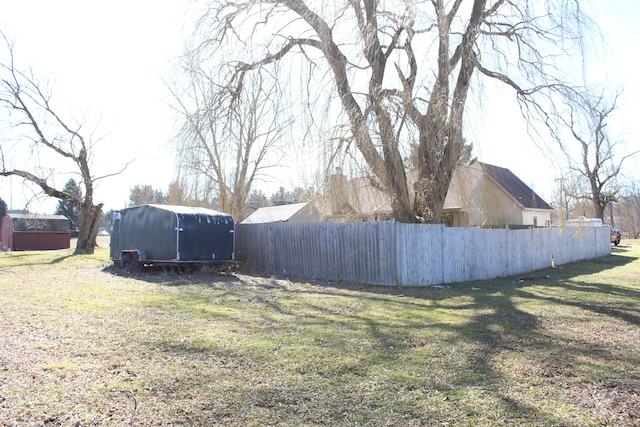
(401, 71)
(628, 211)
(183, 191)
(230, 136)
(52, 145)
(571, 198)
(595, 161)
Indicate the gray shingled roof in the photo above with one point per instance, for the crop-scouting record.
(517, 189)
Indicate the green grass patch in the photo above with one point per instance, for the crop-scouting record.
(86, 344)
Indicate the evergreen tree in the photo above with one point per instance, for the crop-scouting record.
(3, 208)
(144, 194)
(69, 209)
(283, 197)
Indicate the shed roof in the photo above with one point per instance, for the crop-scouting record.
(39, 222)
(274, 213)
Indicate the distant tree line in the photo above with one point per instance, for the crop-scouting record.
(625, 213)
(145, 194)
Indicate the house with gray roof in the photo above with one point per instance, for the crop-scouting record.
(479, 195)
(490, 196)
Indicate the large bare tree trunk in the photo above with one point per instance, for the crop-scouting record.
(393, 90)
(90, 218)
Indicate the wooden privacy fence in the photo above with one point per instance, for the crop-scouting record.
(390, 253)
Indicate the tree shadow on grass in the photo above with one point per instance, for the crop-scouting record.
(26, 259)
(544, 319)
(502, 324)
(62, 258)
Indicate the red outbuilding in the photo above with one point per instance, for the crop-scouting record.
(34, 232)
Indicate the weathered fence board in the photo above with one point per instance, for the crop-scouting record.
(389, 253)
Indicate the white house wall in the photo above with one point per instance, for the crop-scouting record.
(532, 216)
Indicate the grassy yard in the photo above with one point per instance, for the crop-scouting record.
(82, 344)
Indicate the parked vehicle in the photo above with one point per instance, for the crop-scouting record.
(615, 235)
(166, 234)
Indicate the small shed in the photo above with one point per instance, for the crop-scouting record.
(296, 212)
(34, 232)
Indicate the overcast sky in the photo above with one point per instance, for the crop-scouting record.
(110, 58)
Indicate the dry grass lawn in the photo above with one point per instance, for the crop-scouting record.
(84, 344)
